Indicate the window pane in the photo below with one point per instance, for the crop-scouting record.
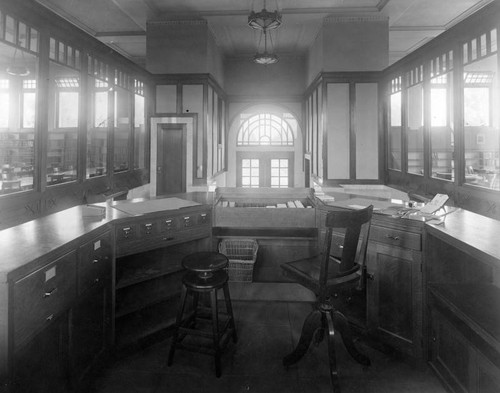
(64, 100)
(17, 119)
(279, 172)
(139, 132)
(68, 109)
(97, 132)
(122, 130)
(100, 106)
(29, 106)
(442, 137)
(415, 129)
(481, 123)
(4, 108)
(395, 132)
(250, 172)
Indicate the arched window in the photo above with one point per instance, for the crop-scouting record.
(266, 129)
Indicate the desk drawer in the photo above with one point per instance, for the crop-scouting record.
(396, 237)
(94, 265)
(41, 296)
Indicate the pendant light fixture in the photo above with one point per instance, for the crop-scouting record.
(265, 21)
(18, 68)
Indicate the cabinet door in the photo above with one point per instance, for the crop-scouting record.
(449, 353)
(90, 331)
(91, 315)
(41, 366)
(394, 297)
(487, 376)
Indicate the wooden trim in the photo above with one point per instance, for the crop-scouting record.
(352, 130)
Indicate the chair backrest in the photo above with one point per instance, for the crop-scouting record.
(356, 224)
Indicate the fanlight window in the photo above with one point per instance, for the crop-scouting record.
(266, 129)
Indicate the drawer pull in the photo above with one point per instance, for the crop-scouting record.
(49, 293)
(168, 238)
(95, 260)
(96, 280)
(127, 231)
(149, 228)
(392, 237)
(50, 317)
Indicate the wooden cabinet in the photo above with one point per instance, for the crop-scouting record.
(149, 271)
(463, 303)
(40, 347)
(91, 314)
(42, 296)
(41, 365)
(61, 318)
(394, 286)
(449, 353)
(458, 355)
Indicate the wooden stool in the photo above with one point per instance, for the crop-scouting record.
(205, 275)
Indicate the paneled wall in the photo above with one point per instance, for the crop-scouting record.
(342, 135)
(201, 96)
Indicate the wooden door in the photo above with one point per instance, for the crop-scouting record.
(275, 169)
(394, 297)
(171, 163)
(450, 355)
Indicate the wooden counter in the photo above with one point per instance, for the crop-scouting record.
(463, 301)
(416, 272)
(58, 288)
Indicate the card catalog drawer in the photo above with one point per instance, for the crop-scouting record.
(94, 265)
(41, 296)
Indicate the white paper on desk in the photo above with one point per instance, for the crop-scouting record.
(437, 203)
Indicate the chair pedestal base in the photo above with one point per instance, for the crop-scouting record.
(326, 319)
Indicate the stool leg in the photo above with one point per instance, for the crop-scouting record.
(229, 310)
(178, 322)
(196, 298)
(215, 328)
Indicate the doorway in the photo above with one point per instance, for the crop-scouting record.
(265, 169)
(171, 159)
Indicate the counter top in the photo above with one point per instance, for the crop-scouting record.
(21, 244)
(30, 241)
(471, 232)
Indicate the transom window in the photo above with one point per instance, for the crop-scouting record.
(266, 129)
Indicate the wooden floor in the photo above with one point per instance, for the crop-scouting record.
(267, 331)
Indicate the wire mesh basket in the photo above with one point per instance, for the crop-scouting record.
(242, 254)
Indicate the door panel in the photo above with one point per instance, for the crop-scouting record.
(171, 169)
(270, 165)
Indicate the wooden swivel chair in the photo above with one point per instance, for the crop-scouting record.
(326, 274)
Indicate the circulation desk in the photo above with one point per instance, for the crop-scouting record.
(72, 287)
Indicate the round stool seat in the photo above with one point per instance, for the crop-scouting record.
(193, 280)
(205, 261)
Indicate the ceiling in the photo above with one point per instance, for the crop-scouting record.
(121, 24)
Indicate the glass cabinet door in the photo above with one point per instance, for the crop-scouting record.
(481, 115)
(415, 129)
(18, 92)
(395, 126)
